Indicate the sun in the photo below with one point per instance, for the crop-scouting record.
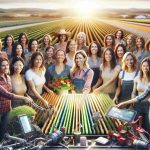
(85, 8)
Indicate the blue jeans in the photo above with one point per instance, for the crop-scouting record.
(3, 124)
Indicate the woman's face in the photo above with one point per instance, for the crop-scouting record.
(79, 60)
(23, 39)
(118, 34)
(38, 61)
(145, 67)
(80, 39)
(129, 40)
(9, 41)
(49, 53)
(108, 56)
(4, 68)
(34, 46)
(60, 56)
(139, 43)
(63, 37)
(46, 40)
(18, 66)
(19, 50)
(94, 49)
(120, 52)
(72, 46)
(109, 41)
(129, 61)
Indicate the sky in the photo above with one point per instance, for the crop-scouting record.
(75, 4)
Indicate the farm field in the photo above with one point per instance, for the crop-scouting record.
(145, 21)
(95, 29)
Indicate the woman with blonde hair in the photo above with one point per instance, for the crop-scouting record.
(109, 71)
(126, 77)
(46, 42)
(81, 42)
(130, 43)
(81, 74)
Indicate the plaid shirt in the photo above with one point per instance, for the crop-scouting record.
(5, 94)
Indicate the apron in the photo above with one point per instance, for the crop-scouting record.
(79, 83)
(126, 88)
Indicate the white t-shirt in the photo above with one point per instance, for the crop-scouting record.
(69, 61)
(38, 80)
(127, 75)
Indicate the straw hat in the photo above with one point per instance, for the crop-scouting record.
(61, 32)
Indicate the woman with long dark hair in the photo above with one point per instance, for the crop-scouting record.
(23, 40)
(8, 45)
(95, 60)
(109, 71)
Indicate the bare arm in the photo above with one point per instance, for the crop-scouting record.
(32, 87)
(117, 91)
(123, 104)
(134, 89)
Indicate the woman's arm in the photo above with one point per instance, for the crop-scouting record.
(117, 91)
(88, 81)
(133, 95)
(105, 85)
(123, 104)
(47, 89)
(6, 94)
(32, 87)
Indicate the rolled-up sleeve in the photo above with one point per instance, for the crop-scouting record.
(4, 93)
(145, 95)
(88, 80)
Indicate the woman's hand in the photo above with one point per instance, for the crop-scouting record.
(122, 105)
(28, 100)
(50, 91)
(46, 104)
(115, 100)
(96, 91)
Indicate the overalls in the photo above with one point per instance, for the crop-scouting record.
(126, 88)
(79, 83)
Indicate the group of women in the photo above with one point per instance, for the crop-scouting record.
(119, 68)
